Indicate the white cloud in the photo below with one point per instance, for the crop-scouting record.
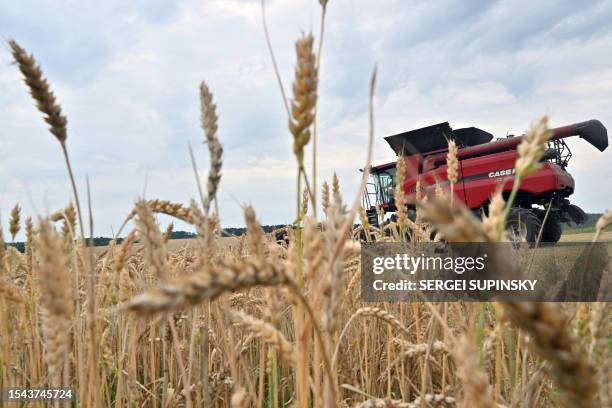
(127, 77)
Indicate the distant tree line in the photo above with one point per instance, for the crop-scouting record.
(226, 232)
(236, 232)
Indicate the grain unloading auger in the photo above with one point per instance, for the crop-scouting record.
(484, 165)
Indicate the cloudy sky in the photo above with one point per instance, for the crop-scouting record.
(127, 76)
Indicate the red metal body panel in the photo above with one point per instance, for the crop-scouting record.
(483, 176)
(479, 177)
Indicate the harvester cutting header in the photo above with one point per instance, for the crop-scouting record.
(484, 165)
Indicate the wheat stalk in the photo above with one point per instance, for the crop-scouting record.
(47, 104)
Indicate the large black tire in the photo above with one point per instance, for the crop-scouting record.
(551, 232)
(524, 224)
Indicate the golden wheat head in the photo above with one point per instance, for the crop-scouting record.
(40, 91)
(304, 95)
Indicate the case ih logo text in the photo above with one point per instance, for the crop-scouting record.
(501, 173)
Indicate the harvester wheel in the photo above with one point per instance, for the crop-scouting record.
(551, 232)
(523, 225)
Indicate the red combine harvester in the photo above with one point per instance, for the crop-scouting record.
(484, 165)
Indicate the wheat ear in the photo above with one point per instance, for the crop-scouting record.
(168, 232)
(325, 196)
(304, 96)
(552, 341)
(531, 148)
(304, 203)
(176, 210)
(415, 350)
(492, 224)
(29, 242)
(452, 164)
(10, 292)
(268, 333)
(4, 269)
(381, 315)
(400, 196)
(374, 312)
(40, 91)
(14, 222)
(56, 299)
(122, 254)
(335, 186)
(7, 290)
(455, 225)
(200, 286)
(152, 239)
(365, 223)
(603, 221)
(209, 121)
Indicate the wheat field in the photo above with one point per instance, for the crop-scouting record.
(258, 321)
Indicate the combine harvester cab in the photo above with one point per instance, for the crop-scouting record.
(484, 165)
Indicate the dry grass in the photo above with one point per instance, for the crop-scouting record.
(260, 322)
